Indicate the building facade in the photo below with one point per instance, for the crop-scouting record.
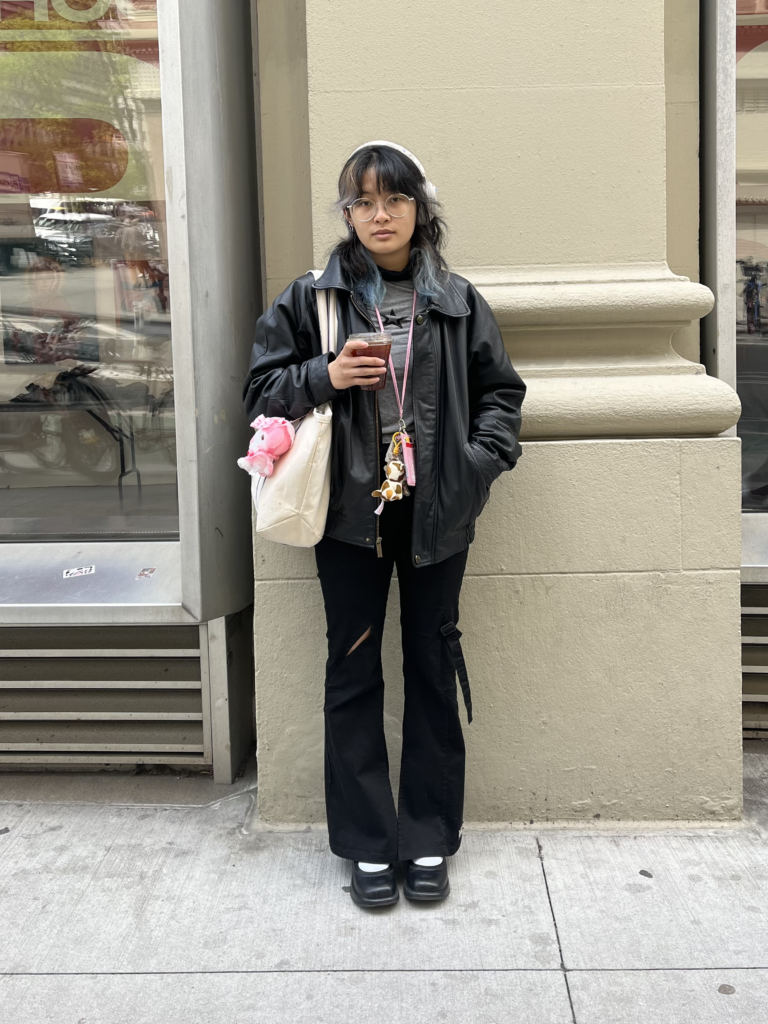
(167, 169)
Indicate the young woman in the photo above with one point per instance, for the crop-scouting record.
(455, 393)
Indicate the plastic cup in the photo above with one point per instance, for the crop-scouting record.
(379, 346)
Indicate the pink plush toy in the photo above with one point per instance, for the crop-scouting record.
(273, 437)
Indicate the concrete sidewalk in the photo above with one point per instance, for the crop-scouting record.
(158, 900)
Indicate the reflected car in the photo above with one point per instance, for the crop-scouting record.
(69, 237)
(49, 340)
(72, 238)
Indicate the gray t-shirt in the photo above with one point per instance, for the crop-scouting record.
(396, 310)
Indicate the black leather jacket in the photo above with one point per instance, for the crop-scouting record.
(466, 403)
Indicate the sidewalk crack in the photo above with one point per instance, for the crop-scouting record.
(563, 968)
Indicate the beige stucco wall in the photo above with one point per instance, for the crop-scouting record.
(600, 609)
(507, 111)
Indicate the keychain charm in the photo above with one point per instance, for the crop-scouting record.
(395, 485)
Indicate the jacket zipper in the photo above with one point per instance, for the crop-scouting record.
(412, 371)
(376, 437)
(439, 439)
(377, 441)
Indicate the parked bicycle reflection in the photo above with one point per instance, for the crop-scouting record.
(752, 375)
(89, 402)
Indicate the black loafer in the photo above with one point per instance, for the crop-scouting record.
(374, 888)
(428, 884)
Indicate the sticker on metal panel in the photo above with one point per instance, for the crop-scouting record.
(83, 570)
(145, 574)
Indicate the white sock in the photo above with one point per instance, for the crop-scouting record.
(428, 862)
(364, 866)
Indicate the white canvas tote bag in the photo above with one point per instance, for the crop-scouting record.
(292, 504)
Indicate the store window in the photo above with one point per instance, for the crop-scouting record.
(752, 247)
(87, 435)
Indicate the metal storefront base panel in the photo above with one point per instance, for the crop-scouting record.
(754, 547)
(125, 700)
(101, 684)
(165, 737)
(176, 694)
(54, 759)
(35, 589)
(754, 661)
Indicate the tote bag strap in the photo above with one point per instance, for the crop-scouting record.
(326, 313)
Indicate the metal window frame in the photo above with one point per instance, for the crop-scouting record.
(718, 185)
(718, 232)
(206, 74)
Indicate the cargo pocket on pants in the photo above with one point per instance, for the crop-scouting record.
(452, 635)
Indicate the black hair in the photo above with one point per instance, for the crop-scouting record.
(394, 172)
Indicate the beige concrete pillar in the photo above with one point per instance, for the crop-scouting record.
(600, 610)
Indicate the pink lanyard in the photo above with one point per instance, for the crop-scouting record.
(400, 400)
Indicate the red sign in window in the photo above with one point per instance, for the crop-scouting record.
(60, 154)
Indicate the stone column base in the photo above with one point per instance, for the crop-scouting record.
(600, 615)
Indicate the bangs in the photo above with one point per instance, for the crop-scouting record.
(393, 172)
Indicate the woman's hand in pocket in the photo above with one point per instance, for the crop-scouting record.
(347, 369)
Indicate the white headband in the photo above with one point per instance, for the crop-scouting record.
(431, 190)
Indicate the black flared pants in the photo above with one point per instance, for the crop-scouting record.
(363, 822)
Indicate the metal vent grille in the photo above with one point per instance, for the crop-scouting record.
(754, 661)
(93, 695)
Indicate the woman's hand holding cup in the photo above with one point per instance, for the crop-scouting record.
(348, 369)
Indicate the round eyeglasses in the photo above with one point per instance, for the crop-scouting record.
(364, 210)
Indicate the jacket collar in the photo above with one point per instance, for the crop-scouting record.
(450, 302)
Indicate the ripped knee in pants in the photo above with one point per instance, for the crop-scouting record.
(360, 640)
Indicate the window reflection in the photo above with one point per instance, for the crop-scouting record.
(87, 431)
